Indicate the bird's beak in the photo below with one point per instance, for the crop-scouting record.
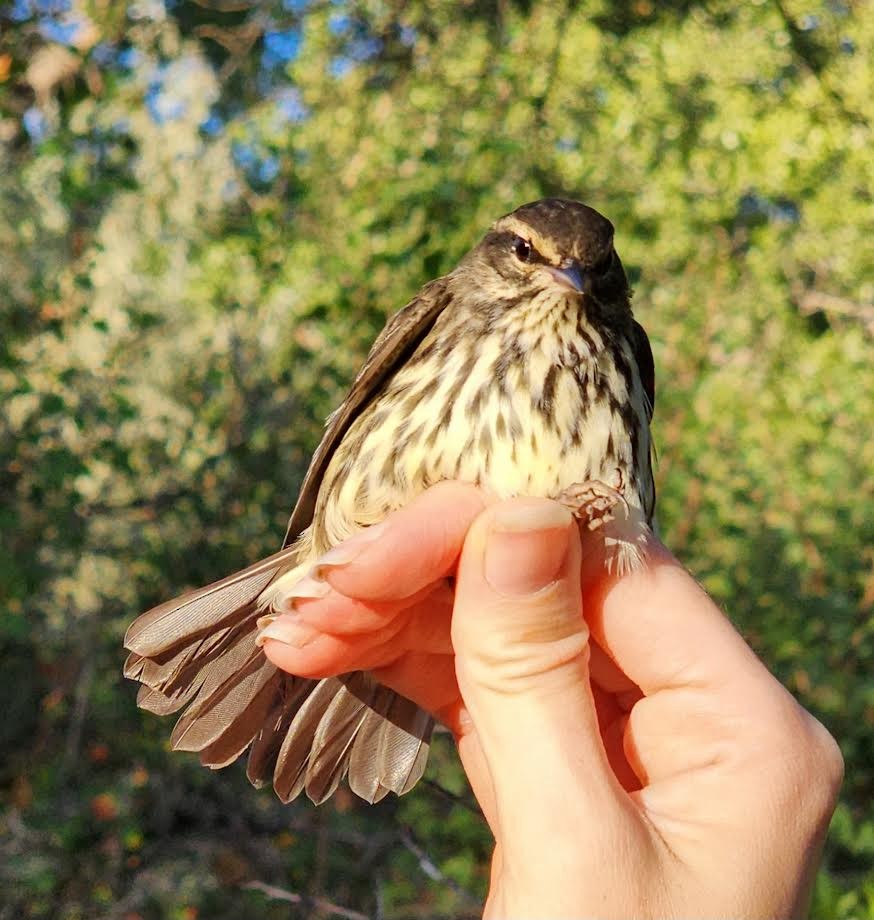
(570, 275)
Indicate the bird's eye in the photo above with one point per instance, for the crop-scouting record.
(522, 249)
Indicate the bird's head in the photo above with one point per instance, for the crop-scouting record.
(553, 248)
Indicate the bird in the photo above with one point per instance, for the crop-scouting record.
(522, 370)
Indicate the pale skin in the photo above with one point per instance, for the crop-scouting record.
(633, 757)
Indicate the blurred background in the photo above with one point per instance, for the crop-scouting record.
(208, 209)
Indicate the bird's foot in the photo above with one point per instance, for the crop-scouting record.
(593, 503)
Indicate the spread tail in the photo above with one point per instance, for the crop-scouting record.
(198, 653)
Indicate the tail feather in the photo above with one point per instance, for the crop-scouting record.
(391, 751)
(291, 762)
(165, 705)
(364, 779)
(239, 732)
(406, 738)
(265, 747)
(332, 743)
(198, 653)
(168, 671)
(220, 701)
(204, 609)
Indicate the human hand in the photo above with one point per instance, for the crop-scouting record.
(637, 762)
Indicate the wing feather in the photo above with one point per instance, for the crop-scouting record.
(645, 364)
(403, 332)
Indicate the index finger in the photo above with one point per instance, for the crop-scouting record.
(662, 629)
(416, 546)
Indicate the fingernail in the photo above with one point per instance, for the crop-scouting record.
(264, 621)
(288, 630)
(308, 587)
(345, 552)
(527, 546)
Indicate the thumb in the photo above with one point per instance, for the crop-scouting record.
(522, 661)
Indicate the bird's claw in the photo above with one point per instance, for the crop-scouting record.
(593, 502)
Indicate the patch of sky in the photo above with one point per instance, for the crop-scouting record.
(339, 23)
(162, 103)
(53, 7)
(363, 49)
(156, 10)
(36, 124)
(754, 208)
(63, 31)
(355, 50)
(280, 47)
(289, 105)
(268, 169)
(129, 58)
(259, 166)
(20, 10)
(340, 66)
(213, 124)
(181, 87)
(244, 154)
(105, 54)
(809, 22)
(231, 190)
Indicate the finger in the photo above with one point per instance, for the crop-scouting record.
(427, 679)
(347, 616)
(612, 720)
(709, 706)
(475, 765)
(660, 627)
(606, 675)
(427, 625)
(297, 647)
(522, 664)
(412, 548)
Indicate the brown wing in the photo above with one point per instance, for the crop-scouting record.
(645, 364)
(403, 332)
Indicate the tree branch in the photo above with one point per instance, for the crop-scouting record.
(432, 870)
(813, 301)
(281, 894)
(226, 6)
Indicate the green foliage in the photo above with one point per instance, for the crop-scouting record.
(206, 213)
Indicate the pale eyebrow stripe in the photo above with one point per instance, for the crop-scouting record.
(543, 246)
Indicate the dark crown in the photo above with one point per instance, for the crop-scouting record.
(576, 230)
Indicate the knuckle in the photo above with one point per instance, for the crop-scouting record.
(514, 667)
(827, 759)
(809, 766)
